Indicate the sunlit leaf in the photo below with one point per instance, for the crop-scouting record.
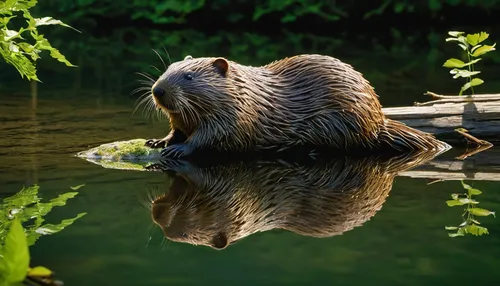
(473, 82)
(465, 186)
(39, 271)
(476, 230)
(77, 187)
(483, 50)
(474, 192)
(455, 33)
(470, 189)
(455, 234)
(454, 196)
(464, 47)
(450, 227)
(468, 201)
(51, 21)
(15, 253)
(456, 63)
(452, 203)
(472, 39)
(482, 36)
(463, 73)
(481, 212)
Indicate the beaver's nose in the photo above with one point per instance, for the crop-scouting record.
(158, 92)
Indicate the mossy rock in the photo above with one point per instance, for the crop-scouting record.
(126, 155)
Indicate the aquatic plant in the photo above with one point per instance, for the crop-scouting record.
(471, 44)
(25, 207)
(15, 47)
(470, 225)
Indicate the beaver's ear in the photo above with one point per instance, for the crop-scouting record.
(221, 65)
(219, 241)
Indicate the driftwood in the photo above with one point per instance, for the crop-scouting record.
(478, 114)
(451, 166)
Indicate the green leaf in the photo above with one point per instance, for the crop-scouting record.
(481, 212)
(472, 39)
(15, 253)
(474, 192)
(450, 227)
(474, 82)
(452, 203)
(477, 38)
(483, 50)
(39, 271)
(454, 196)
(77, 187)
(51, 21)
(482, 36)
(463, 73)
(476, 230)
(456, 63)
(468, 201)
(465, 186)
(470, 189)
(455, 234)
(455, 33)
(464, 47)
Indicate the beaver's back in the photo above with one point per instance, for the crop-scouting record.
(312, 99)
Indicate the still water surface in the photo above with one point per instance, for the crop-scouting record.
(116, 243)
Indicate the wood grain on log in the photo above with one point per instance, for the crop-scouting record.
(481, 119)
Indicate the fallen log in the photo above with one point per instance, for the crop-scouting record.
(478, 114)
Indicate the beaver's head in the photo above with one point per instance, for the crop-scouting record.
(192, 88)
(184, 215)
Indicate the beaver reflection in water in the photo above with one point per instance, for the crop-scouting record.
(219, 204)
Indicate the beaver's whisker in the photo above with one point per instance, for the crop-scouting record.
(146, 75)
(168, 56)
(157, 69)
(139, 89)
(142, 100)
(161, 59)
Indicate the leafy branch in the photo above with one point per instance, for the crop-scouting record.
(469, 225)
(471, 44)
(15, 46)
(25, 207)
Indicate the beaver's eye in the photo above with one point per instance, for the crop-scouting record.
(188, 76)
(184, 235)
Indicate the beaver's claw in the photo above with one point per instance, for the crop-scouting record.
(156, 143)
(176, 151)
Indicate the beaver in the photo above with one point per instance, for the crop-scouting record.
(217, 204)
(317, 100)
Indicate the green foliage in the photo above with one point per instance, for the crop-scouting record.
(25, 207)
(470, 225)
(28, 208)
(471, 44)
(21, 47)
(15, 259)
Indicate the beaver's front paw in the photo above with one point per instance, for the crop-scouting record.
(157, 143)
(177, 151)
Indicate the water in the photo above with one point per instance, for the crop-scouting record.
(116, 243)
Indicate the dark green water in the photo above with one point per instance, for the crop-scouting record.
(116, 243)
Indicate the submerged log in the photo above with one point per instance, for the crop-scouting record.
(478, 114)
(484, 166)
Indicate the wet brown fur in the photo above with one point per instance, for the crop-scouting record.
(223, 203)
(301, 100)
